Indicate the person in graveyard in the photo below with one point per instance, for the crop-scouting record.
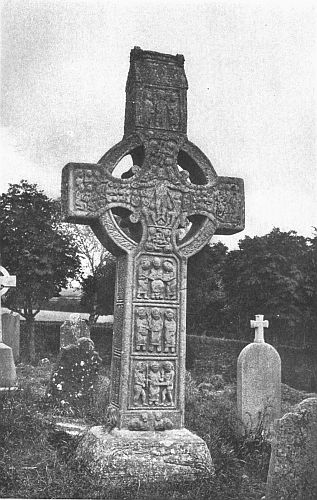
(142, 329)
(169, 278)
(168, 379)
(156, 278)
(169, 331)
(139, 384)
(154, 383)
(156, 327)
(143, 279)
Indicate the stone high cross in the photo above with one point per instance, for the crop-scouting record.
(6, 281)
(165, 209)
(259, 324)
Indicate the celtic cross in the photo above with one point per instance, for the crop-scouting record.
(162, 211)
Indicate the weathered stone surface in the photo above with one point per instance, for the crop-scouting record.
(11, 332)
(259, 384)
(293, 465)
(165, 209)
(7, 366)
(138, 218)
(72, 330)
(75, 375)
(125, 456)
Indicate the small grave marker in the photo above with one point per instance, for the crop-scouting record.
(72, 330)
(293, 465)
(259, 381)
(7, 366)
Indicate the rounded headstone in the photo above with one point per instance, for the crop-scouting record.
(8, 374)
(259, 386)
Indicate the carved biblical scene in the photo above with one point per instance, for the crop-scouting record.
(153, 384)
(155, 330)
(156, 421)
(156, 278)
(159, 109)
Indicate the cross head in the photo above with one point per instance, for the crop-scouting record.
(259, 324)
(153, 218)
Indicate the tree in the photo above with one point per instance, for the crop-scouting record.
(99, 289)
(92, 253)
(36, 250)
(267, 276)
(205, 290)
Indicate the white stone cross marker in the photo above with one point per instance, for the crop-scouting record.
(7, 366)
(259, 324)
(259, 381)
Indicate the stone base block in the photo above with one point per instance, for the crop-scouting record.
(124, 456)
(8, 376)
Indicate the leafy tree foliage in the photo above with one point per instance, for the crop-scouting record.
(205, 290)
(90, 251)
(98, 290)
(36, 250)
(268, 275)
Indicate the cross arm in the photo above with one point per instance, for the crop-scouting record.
(222, 201)
(88, 191)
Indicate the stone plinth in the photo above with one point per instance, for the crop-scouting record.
(293, 465)
(8, 376)
(259, 385)
(125, 456)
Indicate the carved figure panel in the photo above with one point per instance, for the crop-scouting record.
(153, 384)
(156, 278)
(156, 421)
(155, 330)
(159, 108)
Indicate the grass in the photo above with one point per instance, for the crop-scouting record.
(37, 463)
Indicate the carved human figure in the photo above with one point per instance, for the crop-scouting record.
(168, 383)
(142, 329)
(169, 331)
(154, 383)
(156, 326)
(139, 395)
(148, 110)
(161, 111)
(173, 111)
(162, 423)
(156, 278)
(169, 278)
(143, 278)
(140, 424)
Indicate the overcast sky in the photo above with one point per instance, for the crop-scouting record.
(251, 68)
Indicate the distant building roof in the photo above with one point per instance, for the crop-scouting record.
(61, 316)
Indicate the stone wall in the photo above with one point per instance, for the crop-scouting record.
(299, 366)
(219, 356)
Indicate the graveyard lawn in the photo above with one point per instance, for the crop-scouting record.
(36, 461)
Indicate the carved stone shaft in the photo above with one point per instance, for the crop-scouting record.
(165, 209)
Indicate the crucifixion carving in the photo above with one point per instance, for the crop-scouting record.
(165, 209)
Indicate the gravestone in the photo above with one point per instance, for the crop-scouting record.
(72, 330)
(11, 332)
(7, 366)
(293, 464)
(259, 381)
(74, 377)
(153, 218)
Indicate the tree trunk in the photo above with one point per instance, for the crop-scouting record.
(30, 330)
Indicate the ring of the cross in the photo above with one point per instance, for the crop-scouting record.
(3, 289)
